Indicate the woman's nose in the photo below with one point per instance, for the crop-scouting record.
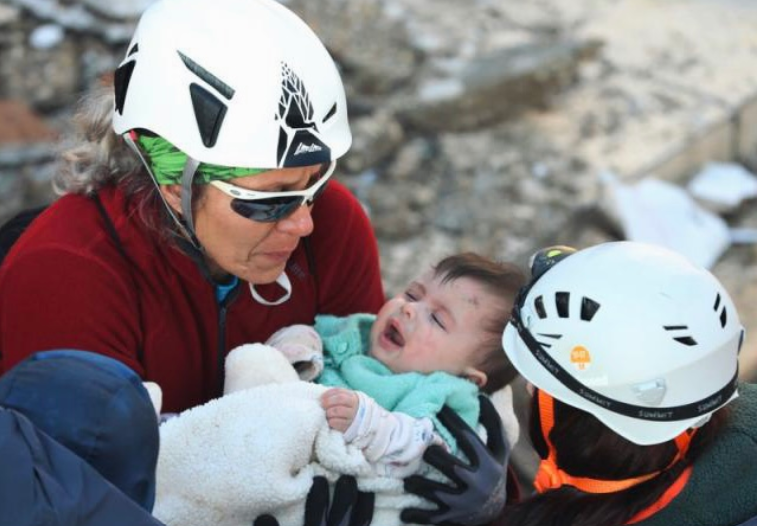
(299, 223)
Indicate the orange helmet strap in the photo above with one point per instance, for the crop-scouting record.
(551, 476)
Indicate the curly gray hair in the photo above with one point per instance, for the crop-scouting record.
(96, 157)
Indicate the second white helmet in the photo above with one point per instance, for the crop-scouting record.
(634, 334)
(233, 83)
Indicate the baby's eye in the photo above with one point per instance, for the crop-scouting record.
(437, 320)
(410, 295)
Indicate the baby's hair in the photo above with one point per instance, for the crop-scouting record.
(503, 281)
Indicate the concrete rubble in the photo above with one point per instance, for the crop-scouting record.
(481, 125)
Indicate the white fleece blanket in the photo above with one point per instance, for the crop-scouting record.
(256, 451)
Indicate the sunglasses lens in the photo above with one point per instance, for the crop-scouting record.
(272, 209)
(266, 210)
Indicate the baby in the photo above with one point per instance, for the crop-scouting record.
(437, 343)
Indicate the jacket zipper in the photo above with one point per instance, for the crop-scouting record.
(222, 338)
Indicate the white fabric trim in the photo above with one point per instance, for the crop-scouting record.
(283, 281)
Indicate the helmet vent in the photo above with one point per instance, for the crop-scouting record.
(588, 309)
(207, 77)
(685, 340)
(538, 303)
(209, 113)
(132, 51)
(545, 335)
(723, 314)
(562, 301)
(121, 78)
(330, 113)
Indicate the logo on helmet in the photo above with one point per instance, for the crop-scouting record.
(299, 143)
(302, 148)
(580, 357)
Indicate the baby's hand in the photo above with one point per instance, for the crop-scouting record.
(294, 336)
(340, 406)
(302, 346)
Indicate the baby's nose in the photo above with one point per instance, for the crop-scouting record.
(408, 309)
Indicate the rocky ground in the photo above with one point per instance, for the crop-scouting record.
(480, 125)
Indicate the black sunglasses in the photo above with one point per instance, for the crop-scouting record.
(270, 207)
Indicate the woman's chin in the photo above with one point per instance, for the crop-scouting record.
(258, 270)
(263, 276)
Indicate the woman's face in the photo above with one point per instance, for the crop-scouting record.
(252, 251)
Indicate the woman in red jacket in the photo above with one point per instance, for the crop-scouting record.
(198, 211)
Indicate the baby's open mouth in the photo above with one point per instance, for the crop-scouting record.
(393, 335)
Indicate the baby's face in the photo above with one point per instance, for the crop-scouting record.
(433, 326)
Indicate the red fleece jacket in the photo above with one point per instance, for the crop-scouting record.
(66, 285)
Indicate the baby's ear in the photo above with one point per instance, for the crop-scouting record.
(476, 376)
(156, 395)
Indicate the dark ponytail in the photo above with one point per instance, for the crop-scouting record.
(587, 448)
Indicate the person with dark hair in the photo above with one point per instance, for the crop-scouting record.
(636, 411)
(437, 343)
(199, 213)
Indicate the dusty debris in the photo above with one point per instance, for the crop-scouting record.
(477, 125)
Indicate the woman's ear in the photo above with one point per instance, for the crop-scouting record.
(172, 194)
(476, 376)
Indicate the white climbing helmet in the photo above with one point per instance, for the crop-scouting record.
(233, 83)
(634, 334)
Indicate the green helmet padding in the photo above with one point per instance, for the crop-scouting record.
(167, 163)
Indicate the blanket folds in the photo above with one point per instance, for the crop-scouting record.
(256, 450)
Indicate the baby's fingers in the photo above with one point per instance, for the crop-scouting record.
(339, 397)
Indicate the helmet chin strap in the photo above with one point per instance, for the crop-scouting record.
(283, 281)
(188, 172)
(191, 166)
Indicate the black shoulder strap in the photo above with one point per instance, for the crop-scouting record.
(111, 229)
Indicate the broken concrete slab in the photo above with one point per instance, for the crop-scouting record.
(491, 88)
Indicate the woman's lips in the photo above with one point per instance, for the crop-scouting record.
(280, 256)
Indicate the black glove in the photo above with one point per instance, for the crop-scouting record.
(479, 490)
(350, 506)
